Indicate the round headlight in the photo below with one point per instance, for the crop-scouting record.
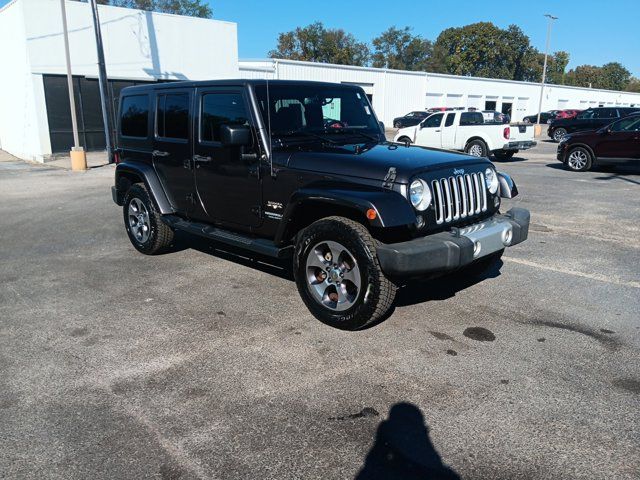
(491, 178)
(419, 195)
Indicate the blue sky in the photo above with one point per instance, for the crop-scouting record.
(592, 31)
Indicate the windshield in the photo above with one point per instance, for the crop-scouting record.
(313, 109)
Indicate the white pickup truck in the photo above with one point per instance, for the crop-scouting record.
(467, 131)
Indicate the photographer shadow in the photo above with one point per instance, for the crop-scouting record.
(403, 450)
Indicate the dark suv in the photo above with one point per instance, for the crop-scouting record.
(616, 143)
(410, 119)
(251, 164)
(590, 119)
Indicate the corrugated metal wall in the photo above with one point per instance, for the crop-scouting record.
(395, 92)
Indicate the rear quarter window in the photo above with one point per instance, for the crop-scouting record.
(471, 118)
(134, 116)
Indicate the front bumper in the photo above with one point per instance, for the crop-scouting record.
(456, 248)
(521, 145)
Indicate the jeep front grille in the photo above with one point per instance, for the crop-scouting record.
(458, 197)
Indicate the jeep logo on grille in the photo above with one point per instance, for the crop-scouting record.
(458, 171)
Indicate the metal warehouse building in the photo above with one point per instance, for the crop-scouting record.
(396, 92)
(35, 118)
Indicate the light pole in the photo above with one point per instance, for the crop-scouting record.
(105, 98)
(544, 67)
(78, 157)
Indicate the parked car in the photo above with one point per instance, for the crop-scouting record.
(545, 117)
(438, 109)
(248, 163)
(616, 143)
(411, 118)
(468, 132)
(570, 113)
(495, 116)
(589, 119)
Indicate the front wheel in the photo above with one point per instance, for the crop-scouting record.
(558, 133)
(476, 148)
(405, 140)
(338, 275)
(579, 159)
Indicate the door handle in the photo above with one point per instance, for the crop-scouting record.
(158, 153)
(438, 131)
(201, 159)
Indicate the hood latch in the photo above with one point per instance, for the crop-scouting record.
(389, 178)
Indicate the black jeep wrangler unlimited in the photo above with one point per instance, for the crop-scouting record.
(303, 170)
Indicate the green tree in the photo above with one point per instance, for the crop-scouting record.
(483, 50)
(611, 76)
(556, 67)
(315, 43)
(191, 8)
(633, 85)
(400, 49)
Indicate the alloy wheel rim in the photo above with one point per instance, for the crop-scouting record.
(139, 220)
(475, 150)
(558, 134)
(333, 276)
(577, 160)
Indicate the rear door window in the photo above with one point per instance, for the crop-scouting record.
(172, 118)
(449, 120)
(134, 116)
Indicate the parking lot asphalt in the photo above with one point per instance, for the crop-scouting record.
(200, 363)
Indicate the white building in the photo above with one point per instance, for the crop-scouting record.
(35, 118)
(139, 47)
(396, 92)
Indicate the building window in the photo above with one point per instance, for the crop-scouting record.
(173, 116)
(134, 116)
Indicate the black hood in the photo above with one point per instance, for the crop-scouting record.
(373, 161)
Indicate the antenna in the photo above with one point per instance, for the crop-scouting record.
(269, 125)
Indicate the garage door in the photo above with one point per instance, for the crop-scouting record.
(88, 110)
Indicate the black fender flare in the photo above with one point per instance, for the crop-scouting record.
(392, 209)
(150, 178)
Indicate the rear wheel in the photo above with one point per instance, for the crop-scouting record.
(504, 155)
(338, 275)
(558, 133)
(476, 148)
(579, 159)
(147, 232)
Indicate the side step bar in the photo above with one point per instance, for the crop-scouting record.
(256, 245)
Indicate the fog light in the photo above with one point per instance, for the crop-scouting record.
(476, 248)
(419, 221)
(507, 236)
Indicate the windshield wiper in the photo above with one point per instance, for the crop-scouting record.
(349, 131)
(292, 133)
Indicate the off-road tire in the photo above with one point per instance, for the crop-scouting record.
(480, 266)
(160, 234)
(376, 295)
(504, 156)
(473, 146)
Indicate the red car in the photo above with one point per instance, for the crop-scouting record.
(568, 113)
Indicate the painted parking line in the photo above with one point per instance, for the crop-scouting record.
(567, 271)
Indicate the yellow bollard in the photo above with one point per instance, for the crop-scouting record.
(78, 159)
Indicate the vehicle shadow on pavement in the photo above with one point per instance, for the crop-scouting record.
(615, 172)
(441, 288)
(279, 268)
(403, 449)
(510, 160)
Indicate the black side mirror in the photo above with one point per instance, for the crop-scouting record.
(235, 135)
